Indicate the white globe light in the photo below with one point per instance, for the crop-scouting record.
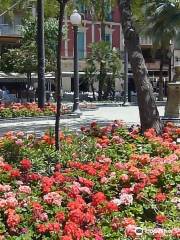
(75, 18)
(35, 85)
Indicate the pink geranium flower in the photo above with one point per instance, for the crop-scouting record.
(53, 198)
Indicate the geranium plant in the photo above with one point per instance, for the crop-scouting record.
(108, 183)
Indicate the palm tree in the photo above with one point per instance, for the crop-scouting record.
(149, 115)
(162, 25)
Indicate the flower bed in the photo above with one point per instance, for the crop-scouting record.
(86, 105)
(109, 183)
(29, 110)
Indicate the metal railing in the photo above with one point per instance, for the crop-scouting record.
(145, 41)
(9, 30)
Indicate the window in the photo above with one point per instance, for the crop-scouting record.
(177, 59)
(81, 8)
(108, 12)
(1, 20)
(108, 37)
(109, 16)
(81, 45)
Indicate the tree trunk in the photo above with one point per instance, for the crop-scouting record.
(102, 77)
(41, 53)
(102, 71)
(28, 85)
(149, 115)
(113, 87)
(170, 69)
(161, 92)
(93, 91)
(102, 19)
(107, 93)
(59, 73)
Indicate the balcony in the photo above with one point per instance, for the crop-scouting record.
(145, 41)
(10, 30)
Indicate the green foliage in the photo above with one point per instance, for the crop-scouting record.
(103, 54)
(99, 10)
(158, 19)
(19, 5)
(51, 7)
(24, 59)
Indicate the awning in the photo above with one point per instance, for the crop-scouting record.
(17, 77)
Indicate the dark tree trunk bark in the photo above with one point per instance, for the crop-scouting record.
(93, 91)
(113, 88)
(149, 115)
(28, 85)
(59, 73)
(102, 19)
(102, 76)
(170, 70)
(41, 53)
(161, 92)
(102, 73)
(107, 93)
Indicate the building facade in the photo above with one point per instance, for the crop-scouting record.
(89, 32)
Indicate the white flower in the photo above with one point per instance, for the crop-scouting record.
(126, 199)
(117, 201)
(175, 200)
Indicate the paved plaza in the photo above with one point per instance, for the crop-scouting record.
(102, 115)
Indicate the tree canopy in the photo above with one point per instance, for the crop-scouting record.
(24, 59)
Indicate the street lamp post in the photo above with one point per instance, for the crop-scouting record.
(75, 19)
(41, 53)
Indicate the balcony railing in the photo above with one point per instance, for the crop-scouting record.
(10, 30)
(145, 41)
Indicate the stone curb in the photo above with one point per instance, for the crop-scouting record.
(119, 104)
(27, 119)
(174, 120)
(88, 109)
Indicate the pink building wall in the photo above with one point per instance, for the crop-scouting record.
(113, 25)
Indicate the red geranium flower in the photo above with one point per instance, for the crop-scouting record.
(7, 167)
(161, 218)
(128, 221)
(112, 207)
(66, 238)
(53, 227)
(60, 217)
(72, 229)
(42, 228)
(160, 197)
(26, 164)
(98, 198)
(15, 173)
(34, 176)
(76, 216)
(93, 124)
(88, 183)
